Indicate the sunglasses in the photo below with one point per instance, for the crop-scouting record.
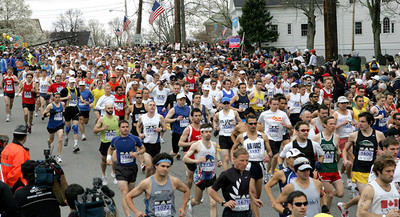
(252, 124)
(299, 204)
(226, 103)
(305, 130)
(139, 97)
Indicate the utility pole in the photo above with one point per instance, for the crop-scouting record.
(177, 21)
(126, 15)
(139, 19)
(183, 21)
(354, 25)
(330, 26)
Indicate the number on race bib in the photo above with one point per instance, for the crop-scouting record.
(365, 155)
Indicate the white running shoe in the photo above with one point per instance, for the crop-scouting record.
(344, 212)
(189, 209)
(58, 159)
(162, 141)
(104, 180)
(36, 114)
(349, 183)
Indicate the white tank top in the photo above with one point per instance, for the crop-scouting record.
(384, 201)
(226, 123)
(209, 153)
(149, 124)
(304, 99)
(43, 85)
(255, 147)
(294, 103)
(345, 130)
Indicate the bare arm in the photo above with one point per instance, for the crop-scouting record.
(282, 198)
(278, 176)
(193, 149)
(99, 126)
(182, 141)
(365, 201)
(169, 116)
(186, 194)
(350, 142)
(135, 193)
(238, 141)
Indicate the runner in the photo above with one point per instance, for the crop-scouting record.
(205, 115)
(240, 101)
(257, 99)
(44, 84)
(297, 204)
(159, 191)
(120, 103)
(242, 127)
(55, 125)
(106, 98)
(294, 103)
(84, 107)
(318, 121)
(380, 114)
(205, 154)
(358, 108)
(29, 90)
(365, 144)
(71, 95)
(8, 84)
(107, 125)
(178, 117)
(57, 86)
(191, 135)
(273, 122)
(224, 121)
(329, 173)
(128, 147)
(149, 128)
(236, 189)
(257, 145)
(97, 93)
(135, 111)
(160, 95)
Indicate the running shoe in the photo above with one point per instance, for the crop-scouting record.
(83, 137)
(162, 141)
(36, 114)
(344, 212)
(143, 167)
(104, 180)
(178, 156)
(349, 183)
(8, 118)
(66, 141)
(76, 149)
(114, 179)
(58, 159)
(189, 209)
(29, 130)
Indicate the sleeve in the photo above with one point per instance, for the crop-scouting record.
(7, 200)
(285, 150)
(372, 176)
(64, 92)
(15, 173)
(317, 149)
(91, 98)
(286, 119)
(112, 144)
(138, 142)
(99, 104)
(221, 181)
(261, 118)
(218, 97)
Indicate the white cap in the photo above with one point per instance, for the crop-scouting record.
(135, 82)
(206, 87)
(242, 72)
(359, 81)
(71, 80)
(294, 84)
(181, 95)
(71, 72)
(100, 73)
(206, 69)
(119, 67)
(293, 152)
(82, 83)
(342, 99)
(376, 77)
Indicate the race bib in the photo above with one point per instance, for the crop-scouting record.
(328, 157)
(160, 98)
(184, 122)
(137, 117)
(191, 86)
(297, 105)
(28, 94)
(120, 105)
(110, 134)
(150, 130)
(163, 209)
(43, 88)
(9, 87)
(270, 94)
(207, 166)
(125, 157)
(254, 153)
(365, 155)
(259, 103)
(242, 205)
(58, 116)
(286, 91)
(383, 122)
(243, 106)
(273, 130)
(348, 128)
(73, 102)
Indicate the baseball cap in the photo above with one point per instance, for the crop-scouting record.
(294, 84)
(206, 87)
(21, 129)
(342, 99)
(242, 72)
(71, 80)
(113, 76)
(180, 96)
(301, 163)
(119, 68)
(225, 99)
(215, 75)
(100, 73)
(293, 152)
(81, 83)
(376, 77)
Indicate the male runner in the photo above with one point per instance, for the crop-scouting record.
(107, 125)
(380, 114)
(241, 101)
(149, 128)
(225, 120)
(257, 99)
(297, 204)
(120, 102)
(241, 128)
(84, 107)
(128, 147)
(205, 114)
(56, 123)
(205, 155)
(9, 90)
(28, 89)
(159, 191)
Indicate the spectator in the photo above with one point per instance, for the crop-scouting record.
(354, 62)
(71, 194)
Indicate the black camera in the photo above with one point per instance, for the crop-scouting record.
(162, 82)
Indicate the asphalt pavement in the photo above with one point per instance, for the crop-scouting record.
(81, 168)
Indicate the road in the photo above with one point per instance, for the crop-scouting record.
(83, 167)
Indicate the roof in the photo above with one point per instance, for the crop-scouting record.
(240, 3)
(82, 38)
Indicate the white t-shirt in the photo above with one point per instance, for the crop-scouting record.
(207, 102)
(316, 148)
(272, 124)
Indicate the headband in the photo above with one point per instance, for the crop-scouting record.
(204, 129)
(164, 160)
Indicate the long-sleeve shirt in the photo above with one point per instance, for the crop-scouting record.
(101, 103)
(313, 61)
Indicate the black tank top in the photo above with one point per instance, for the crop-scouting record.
(365, 152)
(242, 102)
(308, 151)
(137, 112)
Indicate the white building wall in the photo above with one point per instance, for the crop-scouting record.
(363, 42)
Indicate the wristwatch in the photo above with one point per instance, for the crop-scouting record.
(223, 203)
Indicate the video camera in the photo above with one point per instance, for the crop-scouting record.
(97, 201)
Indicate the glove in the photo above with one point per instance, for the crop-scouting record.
(318, 166)
(216, 133)
(325, 209)
(287, 212)
(281, 167)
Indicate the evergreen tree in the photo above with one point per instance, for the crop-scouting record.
(256, 23)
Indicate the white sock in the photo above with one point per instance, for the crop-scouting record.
(75, 142)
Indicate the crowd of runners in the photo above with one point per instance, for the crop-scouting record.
(277, 118)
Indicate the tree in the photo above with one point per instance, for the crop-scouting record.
(71, 21)
(98, 32)
(374, 7)
(13, 10)
(256, 22)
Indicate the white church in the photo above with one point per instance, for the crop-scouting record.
(291, 24)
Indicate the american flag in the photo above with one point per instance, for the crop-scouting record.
(126, 23)
(118, 32)
(155, 12)
(224, 31)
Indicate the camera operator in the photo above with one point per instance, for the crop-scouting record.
(13, 156)
(353, 61)
(33, 200)
(71, 194)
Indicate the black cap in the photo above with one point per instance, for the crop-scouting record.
(21, 129)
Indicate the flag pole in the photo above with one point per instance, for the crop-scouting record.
(242, 45)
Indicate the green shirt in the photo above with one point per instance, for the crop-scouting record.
(112, 131)
(330, 150)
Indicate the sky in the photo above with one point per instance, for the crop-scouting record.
(47, 11)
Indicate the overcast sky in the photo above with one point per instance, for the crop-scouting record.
(47, 11)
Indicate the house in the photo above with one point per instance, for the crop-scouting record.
(78, 38)
(291, 24)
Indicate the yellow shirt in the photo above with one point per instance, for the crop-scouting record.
(357, 112)
(96, 95)
(366, 102)
(260, 100)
